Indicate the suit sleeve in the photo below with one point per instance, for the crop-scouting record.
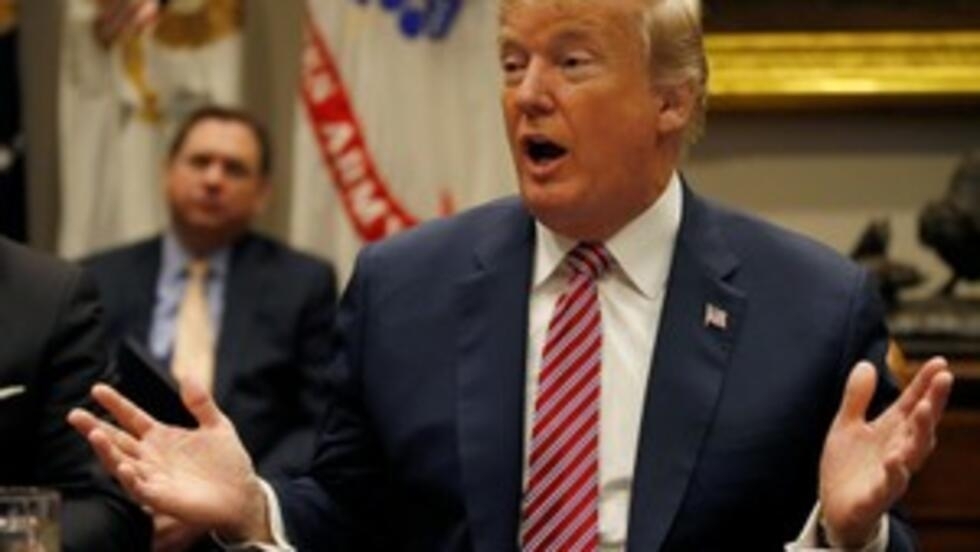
(869, 340)
(291, 453)
(95, 514)
(342, 505)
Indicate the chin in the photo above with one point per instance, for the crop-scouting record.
(558, 217)
(553, 194)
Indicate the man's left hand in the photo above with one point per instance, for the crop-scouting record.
(866, 465)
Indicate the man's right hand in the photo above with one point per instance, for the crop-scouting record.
(202, 476)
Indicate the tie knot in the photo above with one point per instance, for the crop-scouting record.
(589, 259)
(197, 269)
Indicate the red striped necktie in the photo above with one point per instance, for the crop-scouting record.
(561, 503)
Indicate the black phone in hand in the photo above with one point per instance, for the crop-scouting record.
(149, 385)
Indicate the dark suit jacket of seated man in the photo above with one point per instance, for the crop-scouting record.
(272, 347)
(51, 352)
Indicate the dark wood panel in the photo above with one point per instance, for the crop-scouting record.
(943, 500)
(855, 15)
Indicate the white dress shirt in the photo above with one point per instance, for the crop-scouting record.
(631, 298)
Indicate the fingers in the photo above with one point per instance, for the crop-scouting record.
(130, 417)
(127, 475)
(143, 482)
(921, 385)
(125, 457)
(857, 393)
(106, 453)
(111, 446)
(939, 391)
(921, 423)
(83, 421)
(111, 456)
(87, 424)
(116, 450)
(200, 403)
(897, 475)
(917, 441)
(167, 533)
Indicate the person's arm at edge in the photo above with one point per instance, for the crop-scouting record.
(294, 448)
(867, 339)
(96, 515)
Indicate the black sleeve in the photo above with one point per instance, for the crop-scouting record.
(96, 516)
(292, 452)
(344, 503)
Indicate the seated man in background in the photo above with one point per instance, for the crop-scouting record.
(243, 315)
(51, 352)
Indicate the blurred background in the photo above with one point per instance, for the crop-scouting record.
(823, 167)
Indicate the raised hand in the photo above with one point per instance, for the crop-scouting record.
(200, 476)
(866, 465)
(117, 17)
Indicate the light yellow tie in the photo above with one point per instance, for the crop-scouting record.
(194, 340)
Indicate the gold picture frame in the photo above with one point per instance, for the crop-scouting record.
(787, 70)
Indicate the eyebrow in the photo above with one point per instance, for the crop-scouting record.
(575, 33)
(226, 160)
(506, 39)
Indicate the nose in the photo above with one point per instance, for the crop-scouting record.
(214, 174)
(533, 94)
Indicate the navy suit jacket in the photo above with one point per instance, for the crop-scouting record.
(273, 348)
(421, 446)
(52, 351)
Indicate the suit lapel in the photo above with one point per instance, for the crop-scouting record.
(699, 325)
(244, 280)
(492, 304)
(141, 290)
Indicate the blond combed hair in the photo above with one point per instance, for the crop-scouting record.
(673, 37)
(674, 40)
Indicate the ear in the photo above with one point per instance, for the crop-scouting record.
(676, 107)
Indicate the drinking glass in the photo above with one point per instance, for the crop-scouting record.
(29, 520)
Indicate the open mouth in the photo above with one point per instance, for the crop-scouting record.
(542, 151)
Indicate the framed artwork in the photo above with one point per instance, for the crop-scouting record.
(773, 54)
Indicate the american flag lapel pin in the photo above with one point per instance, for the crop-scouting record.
(715, 317)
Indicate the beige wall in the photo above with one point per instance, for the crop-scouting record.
(828, 174)
(271, 75)
(824, 173)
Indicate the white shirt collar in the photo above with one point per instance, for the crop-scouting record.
(174, 259)
(643, 249)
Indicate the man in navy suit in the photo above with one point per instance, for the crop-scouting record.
(53, 349)
(271, 308)
(742, 399)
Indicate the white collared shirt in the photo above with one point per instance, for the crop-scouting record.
(631, 297)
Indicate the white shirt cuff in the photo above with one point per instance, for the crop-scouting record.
(809, 538)
(276, 528)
